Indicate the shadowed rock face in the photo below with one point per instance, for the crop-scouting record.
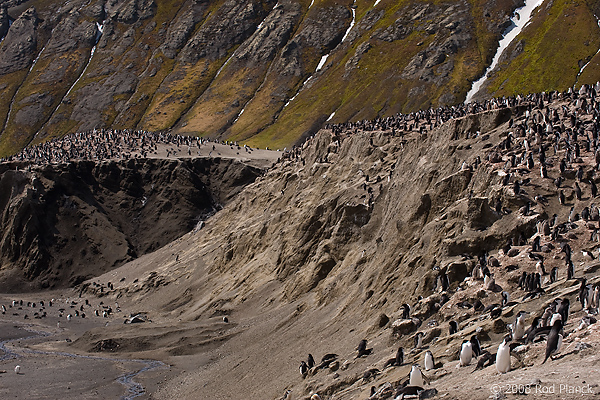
(63, 224)
(3, 21)
(18, 47)
(161, 65)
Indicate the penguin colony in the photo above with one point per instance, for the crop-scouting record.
(68, 309)
(524, 289)
(555, 133)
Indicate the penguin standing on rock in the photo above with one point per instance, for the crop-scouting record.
(397, 361)
(405, 311)
(400, 356)
(453, 327)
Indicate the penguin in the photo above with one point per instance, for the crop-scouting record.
(453, 327)
(475, 346)
(503, 356)
(584, 292)
(416, 376)
(588, 253)
(405, 311)
(536, 323)
(554, 341)
(586, 322)
(429, 361)
(315, 397)
(400, 356)
(553, 274)
(564, 309)
(561, 198)
(505, 298)
(570, 270)
(466, 353)
(311, 361)
(540, 268)
(397, 361)
(418, 340)
(519, 326)
(18, 370)
(303, 369)
(486, 358)
(362, 349)
(225, 319)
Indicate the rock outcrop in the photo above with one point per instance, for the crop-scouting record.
(19, 46)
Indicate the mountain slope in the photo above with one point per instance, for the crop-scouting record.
(264, 72)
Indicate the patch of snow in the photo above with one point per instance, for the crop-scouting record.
(519, 20)
(582, 68)
(352, 22)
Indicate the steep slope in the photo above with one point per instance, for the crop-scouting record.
(63, 224)
(264, 72)
(323, 250)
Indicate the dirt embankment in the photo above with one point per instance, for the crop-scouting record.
(63, 224)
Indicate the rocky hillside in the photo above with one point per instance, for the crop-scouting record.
(267, 72)
(62, 224)
(324, 250)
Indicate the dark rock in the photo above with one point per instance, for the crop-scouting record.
(71, 34)
(498, 326)
(130, 11)
(179, 30)
(382, 320)
(3, 21)
(513, 252)
(20, 44)
(229, 26)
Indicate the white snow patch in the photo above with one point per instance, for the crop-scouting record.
(519, 20)
(351, 23)
(322, 62)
